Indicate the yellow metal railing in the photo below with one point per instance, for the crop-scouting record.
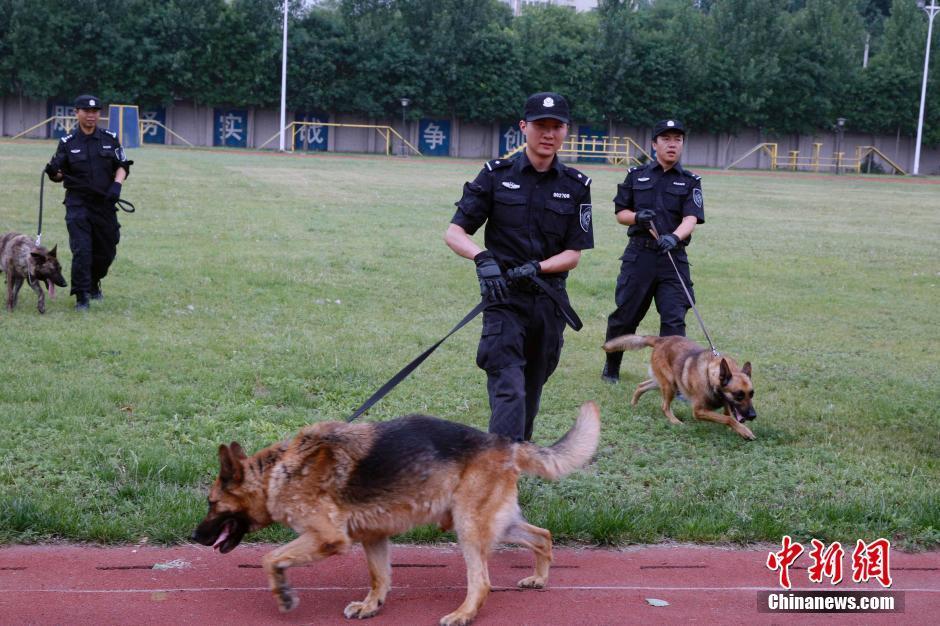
(69, 122)
(815, 161)
(616, 150)
(386, 132)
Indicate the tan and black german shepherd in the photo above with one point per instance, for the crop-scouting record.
(336, 484)
(21, 259)
(709, 382)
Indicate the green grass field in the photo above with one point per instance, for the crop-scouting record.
(253, 294)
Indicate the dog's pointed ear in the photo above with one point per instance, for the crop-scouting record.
(724, 373)
(52, 252)
(37, 256)
(238, 452)
(747, 369)
(230, 467)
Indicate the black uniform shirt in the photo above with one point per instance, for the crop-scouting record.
(529, 215)
(674, 194)
(92, 160)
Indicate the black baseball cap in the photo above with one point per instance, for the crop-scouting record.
(86, 101)
(666, 126)
(545, 105)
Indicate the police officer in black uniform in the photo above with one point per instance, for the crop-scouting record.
(664, 195)
(92, 163)
(537, 213)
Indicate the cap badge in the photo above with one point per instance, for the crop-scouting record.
(670, 123)
(91, 102)
(548, 103)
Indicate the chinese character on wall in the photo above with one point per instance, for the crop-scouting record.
(231, 128)
(434, 137)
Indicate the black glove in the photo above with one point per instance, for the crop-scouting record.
(114, 192)
(524, 271)
(645, 217)
(493, 286)
(667, 242)
(51, 171)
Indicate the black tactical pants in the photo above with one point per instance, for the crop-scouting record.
(93, 238)
(646, 275)
(519, 350)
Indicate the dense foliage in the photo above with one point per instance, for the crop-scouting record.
(785, 66)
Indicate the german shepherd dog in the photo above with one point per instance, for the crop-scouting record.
(709, 382)
(22, 259)
(337, 483)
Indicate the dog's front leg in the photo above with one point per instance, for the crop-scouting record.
(39, 294)
(10, 281)
(729, 421)
(310, 546)
(380, 572)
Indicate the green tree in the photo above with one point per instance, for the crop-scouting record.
(820, 61)
(557, 52)
(889, 94)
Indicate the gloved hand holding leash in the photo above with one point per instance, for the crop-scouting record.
(666, 243)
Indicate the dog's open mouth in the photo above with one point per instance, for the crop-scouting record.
(230, 536)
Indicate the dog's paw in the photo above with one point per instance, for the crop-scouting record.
(287, 599)
(532, 582)
(456, 619)
(361, 610)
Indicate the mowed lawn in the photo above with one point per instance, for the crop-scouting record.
(255, 293)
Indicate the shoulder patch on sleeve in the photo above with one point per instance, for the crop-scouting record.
(110, 132)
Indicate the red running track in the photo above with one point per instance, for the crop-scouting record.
(194, 585)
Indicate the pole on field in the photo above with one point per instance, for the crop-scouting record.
(404, 105)
(284, 80)
(932, 11)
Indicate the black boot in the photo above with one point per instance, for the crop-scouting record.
(96, 292)
(81, 301)
(611, 373)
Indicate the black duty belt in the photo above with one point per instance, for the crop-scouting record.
(648, 243)
(527, 286)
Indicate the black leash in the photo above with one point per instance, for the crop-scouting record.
(42, 183)
(77, 185)
(400, 376)
(567, 312)
(571, 318)
(687, 294)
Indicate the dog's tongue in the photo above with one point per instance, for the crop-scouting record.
(222, 537)
(50, 286)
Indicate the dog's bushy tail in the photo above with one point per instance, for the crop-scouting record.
(572, 451)
(630, 342)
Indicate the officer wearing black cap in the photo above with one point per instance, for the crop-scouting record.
(537, 213)
(92, 163)
(665, 197)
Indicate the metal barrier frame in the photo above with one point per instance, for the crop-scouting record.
(837, 161)
(385, 132)
(616, 150)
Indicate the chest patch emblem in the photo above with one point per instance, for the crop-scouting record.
(678, 184)
(75, 150)
(559, 194)
(586, 218)
(508, 184)
(642, 180)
